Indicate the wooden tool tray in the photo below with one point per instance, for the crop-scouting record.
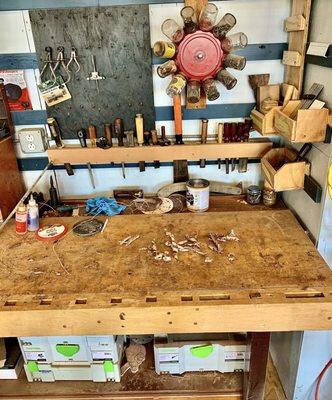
(282, 172)
(309, 126)
(264, 123)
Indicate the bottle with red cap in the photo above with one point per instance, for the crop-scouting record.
(21, 219)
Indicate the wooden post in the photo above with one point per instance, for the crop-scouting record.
(255, 373)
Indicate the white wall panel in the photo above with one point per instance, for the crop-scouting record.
(261, 20)
(12, 33)
(107, 179)
(241, 93)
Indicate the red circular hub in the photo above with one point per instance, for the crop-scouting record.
(199, 55)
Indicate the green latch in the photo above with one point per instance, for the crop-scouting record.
(33, 366)
(108, 366)
(67, 350)
(201, 351)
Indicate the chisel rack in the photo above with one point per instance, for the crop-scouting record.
(190, 152)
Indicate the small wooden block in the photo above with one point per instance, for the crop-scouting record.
(267, 91)
(292, 58)
(295, 23)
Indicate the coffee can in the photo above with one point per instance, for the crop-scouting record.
(197, 195)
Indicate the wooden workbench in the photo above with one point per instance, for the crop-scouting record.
(277, 282)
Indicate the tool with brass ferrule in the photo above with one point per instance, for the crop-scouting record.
(204, 129)
(220, 139)
(108, 134)
(233, 140)
(227, 139)
(81, 134)
(92, 135)
(119, 133)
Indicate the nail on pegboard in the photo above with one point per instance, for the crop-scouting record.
(119, 38)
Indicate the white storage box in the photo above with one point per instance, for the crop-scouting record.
(98, 372)
(63, 349)
(177, 357)
(13, 361)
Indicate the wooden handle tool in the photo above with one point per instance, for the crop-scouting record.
(108, 133)
(204, 130)
(92, 135)
(177, 119)
(220, 135)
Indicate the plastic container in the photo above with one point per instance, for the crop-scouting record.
(235, 61)
(172, 30)
(168, 68)
(237, 41)
(208, 17)
(226, 78)
(33, 215)
(254, 194)
(176, 85)
(164, 49)
(226, 23)
(21, 220)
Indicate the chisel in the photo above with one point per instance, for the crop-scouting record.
(55, 131)
(233, 140)
(81, 134)
(92, 135)
(154, 140)
(220, 138)
(204, 129)
(226, 139)
(119, 133)
(108, 134)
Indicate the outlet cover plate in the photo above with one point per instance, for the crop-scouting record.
(32, 140)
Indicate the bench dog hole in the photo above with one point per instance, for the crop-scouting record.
(186, 298)
(151, 299)
(116, 300)
(10, 303)
(45, 302)
(215, 297)
(81, 301)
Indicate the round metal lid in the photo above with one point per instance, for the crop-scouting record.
(200, 55)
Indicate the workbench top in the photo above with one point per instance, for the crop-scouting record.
(275, 267)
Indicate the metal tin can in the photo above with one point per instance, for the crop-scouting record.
(254, 194)
(197, 195)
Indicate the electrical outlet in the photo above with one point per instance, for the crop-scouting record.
(32, 140)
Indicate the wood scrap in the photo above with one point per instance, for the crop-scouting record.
(308, 98)
(258, 80)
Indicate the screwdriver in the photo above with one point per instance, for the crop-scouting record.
(233, 139)
(81, 134)
(204, 129)
(154, 140)
(119, 133)
(219, 139)
(108, 134)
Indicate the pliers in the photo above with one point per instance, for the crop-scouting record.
(48, 63)
(73, 58)
(60, 61)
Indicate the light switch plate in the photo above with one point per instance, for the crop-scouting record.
(32, 140)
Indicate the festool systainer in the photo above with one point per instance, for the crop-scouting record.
(209, 355)
(53, 358)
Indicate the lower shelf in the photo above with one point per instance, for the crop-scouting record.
(146, 384)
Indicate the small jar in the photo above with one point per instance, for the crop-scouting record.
(269, 197)
(235, 61)
(172, 30)
(168, 68)
(210, 89)
(188, 15)
(226, 23)
(237, 41)
(254, 194)
(208, 17)
(164, 49)
(176, 85)
(226, 78)
(193, 92)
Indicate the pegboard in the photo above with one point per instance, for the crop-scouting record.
(119, 38)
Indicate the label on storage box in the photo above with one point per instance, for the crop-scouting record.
(35, 355)
(101, 355)
(234, 355)
(169, 357)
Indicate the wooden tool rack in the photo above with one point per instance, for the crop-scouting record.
(277, 282)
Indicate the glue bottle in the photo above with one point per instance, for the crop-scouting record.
(21, 218)
(33, 215)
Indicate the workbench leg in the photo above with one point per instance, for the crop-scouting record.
(256, 365)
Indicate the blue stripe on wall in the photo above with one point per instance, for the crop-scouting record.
(212, 111)
(39, 163)
(29, 117)
(253, 52)
(18, 61)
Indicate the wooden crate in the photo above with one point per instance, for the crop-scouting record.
(264, 124)
(281, 172)
(310, 125)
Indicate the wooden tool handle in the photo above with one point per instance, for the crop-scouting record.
(108, 133)
(92, 135)
(204, 130)
(177, 115)
(220, 132)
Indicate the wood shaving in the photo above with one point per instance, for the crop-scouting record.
(128, 240)
(208, 260)
(231, 257)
